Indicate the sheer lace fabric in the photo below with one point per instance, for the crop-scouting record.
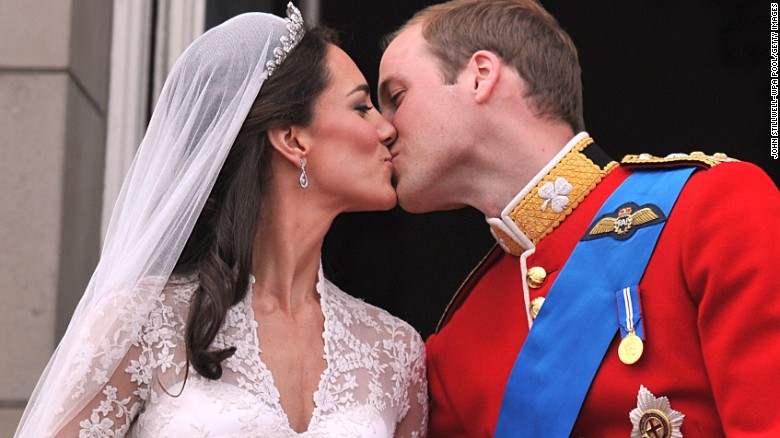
(374, 384)
(196, 120)
(121, 364)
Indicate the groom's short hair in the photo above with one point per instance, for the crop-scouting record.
(523, 34)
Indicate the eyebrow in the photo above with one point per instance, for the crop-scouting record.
(360, 88)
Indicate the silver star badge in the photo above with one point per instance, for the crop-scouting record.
(654, 417)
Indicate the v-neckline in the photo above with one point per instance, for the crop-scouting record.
(265, 372)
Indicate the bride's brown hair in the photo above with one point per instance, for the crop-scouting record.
(220, 246)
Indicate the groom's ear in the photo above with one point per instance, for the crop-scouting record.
(485, 69)
(286, 141)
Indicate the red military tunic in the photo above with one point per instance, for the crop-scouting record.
(710, 302)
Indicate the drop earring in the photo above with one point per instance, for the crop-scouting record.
(303, 180)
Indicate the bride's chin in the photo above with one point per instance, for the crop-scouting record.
(387, 200)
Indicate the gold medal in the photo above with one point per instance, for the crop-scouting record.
(630, 348)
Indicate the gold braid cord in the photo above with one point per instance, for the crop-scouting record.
(698, 159)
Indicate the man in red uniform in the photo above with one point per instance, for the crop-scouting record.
(625, 299)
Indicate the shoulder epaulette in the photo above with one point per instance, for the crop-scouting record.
(698, 159)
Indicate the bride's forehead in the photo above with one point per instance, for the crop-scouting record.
(337, 58)
(344, 73)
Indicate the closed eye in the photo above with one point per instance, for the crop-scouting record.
(363, 108)
(396, 99)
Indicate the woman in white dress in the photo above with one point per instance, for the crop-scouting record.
(208, 313)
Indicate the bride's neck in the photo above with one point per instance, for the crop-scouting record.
(287, 248)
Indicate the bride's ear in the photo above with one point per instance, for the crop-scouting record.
(286, 141)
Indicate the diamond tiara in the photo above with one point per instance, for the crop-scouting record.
(295, 28)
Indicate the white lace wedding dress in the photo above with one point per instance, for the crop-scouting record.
(374, 384)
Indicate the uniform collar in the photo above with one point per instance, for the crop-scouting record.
(551, 195)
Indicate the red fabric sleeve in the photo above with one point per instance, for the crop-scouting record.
(731, 257)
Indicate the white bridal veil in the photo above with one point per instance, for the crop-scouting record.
(202, 106)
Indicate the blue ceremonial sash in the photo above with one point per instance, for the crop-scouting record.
(578, 321)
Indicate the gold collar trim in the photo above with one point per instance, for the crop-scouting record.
(536, 212)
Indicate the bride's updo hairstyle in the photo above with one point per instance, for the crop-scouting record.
(219, 249)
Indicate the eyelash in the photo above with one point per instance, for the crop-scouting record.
(395, 98)
(363, 108)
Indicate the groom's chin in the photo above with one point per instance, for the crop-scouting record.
(413, 206)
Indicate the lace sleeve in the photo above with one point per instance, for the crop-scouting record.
(112, 411)
(415, 423)
(153, 358)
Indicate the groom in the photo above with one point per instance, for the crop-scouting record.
(632, 298)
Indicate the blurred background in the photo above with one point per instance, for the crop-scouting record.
(78, 79)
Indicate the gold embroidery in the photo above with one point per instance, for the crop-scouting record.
(537, 222)
(506, 241)
(622, 223)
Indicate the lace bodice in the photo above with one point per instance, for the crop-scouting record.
(374, 383)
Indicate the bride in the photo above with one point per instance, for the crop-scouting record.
(208, 313)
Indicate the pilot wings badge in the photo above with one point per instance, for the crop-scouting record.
(624, 222)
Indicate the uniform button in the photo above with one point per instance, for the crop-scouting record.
(536, 305)
(536, 277)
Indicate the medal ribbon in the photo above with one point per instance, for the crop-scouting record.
(629, 311)
(574, 328)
